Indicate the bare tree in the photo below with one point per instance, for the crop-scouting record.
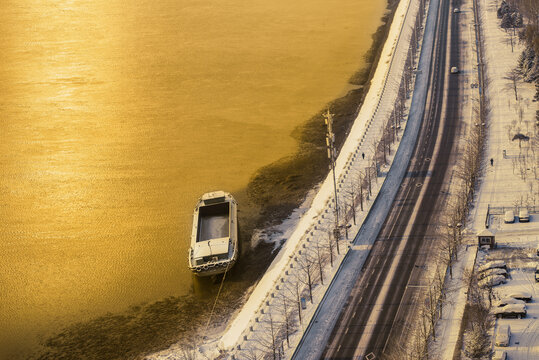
(273, 342)
(360, 181)
(430, 309)
(514, 76)
(264, 341)
(351, 194)
(307, 269)
(294, 289)
(286, 316)
(330, 240)
(319, 251)
(445, 249)
(438, 283)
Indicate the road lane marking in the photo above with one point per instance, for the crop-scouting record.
(361, 247)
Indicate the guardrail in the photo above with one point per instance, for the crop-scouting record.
(500, 210)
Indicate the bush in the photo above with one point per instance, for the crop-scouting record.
(507, 21)
(477, 343)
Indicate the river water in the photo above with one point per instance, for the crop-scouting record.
(115, 116)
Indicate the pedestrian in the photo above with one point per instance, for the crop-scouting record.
(363, 156)
(491, 162)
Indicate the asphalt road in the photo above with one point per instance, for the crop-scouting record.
(407, 233)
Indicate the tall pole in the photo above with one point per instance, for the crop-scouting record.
(330, 143)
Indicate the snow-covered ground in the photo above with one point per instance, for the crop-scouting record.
(508, 182)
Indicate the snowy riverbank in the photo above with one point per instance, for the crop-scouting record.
(307, 226)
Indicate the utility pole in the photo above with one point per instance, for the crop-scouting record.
(330, 144)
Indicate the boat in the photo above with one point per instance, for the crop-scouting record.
(214, 238)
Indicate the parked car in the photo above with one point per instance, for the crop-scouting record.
(492, 272)
(511, 310)
(537, 273)
(456, 10)
(503, 335)
(500, 355)
(522, 295)
(509, 301)
(454, 70)
(523, 215)
(509, 217)
(491, 281)
(496, 264)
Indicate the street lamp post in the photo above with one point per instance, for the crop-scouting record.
(330, 143)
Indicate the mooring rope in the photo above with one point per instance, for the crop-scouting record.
(217, 297)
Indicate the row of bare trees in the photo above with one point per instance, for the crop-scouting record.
(283, 316)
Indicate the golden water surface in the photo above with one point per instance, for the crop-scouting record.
(115, 116)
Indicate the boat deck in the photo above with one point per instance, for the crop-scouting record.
(213, 227)
(213, 222)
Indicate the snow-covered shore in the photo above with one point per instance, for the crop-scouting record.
(315, 218)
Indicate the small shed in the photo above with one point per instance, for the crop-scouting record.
(487, 237)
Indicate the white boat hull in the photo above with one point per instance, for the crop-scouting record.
(214, 238)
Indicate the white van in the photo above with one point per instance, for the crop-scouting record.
(503, 335)
(509, 217)
(523, 215)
